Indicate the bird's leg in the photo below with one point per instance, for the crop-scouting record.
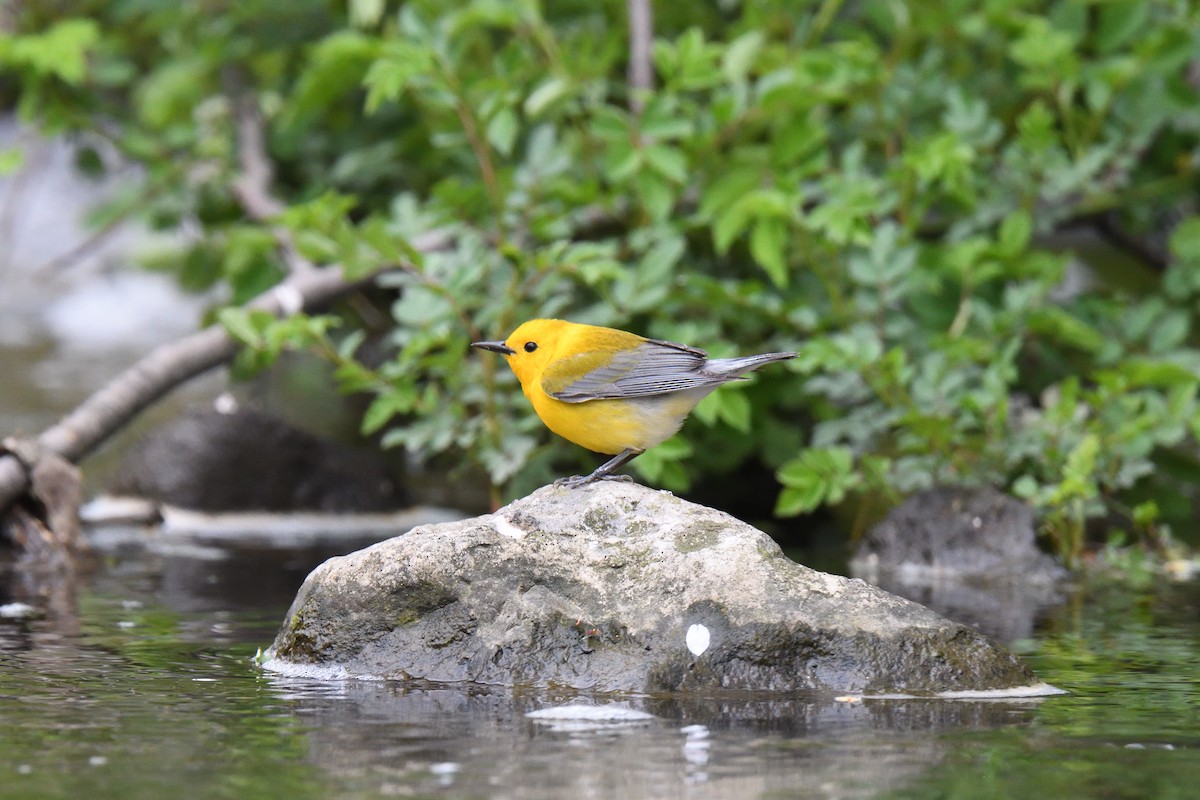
(604, 471)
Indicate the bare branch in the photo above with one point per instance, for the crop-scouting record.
(171, 364)
(253, 186)
(79, 251)
(641, 42)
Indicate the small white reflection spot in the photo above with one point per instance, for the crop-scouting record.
(697, 639)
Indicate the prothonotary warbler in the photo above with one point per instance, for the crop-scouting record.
(611, 391)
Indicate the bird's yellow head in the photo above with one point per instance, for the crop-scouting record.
(530, 347)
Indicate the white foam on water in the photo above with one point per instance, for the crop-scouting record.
(582, 712)
(1013, 693)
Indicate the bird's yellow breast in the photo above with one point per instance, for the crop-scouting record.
(610, 426)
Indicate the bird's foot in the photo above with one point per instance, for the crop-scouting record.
(575, 481)
(571, 482)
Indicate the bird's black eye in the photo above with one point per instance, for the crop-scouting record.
(530, 347)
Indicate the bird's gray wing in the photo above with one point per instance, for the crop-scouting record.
(653, 367)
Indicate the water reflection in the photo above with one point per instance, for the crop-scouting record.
(371, 734)
(1006, 609)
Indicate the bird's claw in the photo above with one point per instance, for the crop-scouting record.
(575, 481)
(569, 483)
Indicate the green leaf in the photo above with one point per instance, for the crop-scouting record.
(1037, 127)
(366, 13)
(353, 377)
(11, 159)
(1026, 487)
(740, 54)
(661, 121)
(656, 195)
(1041, 45)
(1078, 481)
(244, 325)
(761, 204)
(61, 50)
(1015, 233)
(1118, 22)
(1063, 327)
(668, 162)
(736, 410)
(385, 406)
(768, 244)
(708, 410)
(655, 464)
(1145, 513)
(795, 500)
(171, 93)
(1184, 243)
(815, 477)
(1171, 331)
(547, 93)
(502, 131)
(624, 161)
(659, 262)
(1154, 372)
(506, 460)
(659, 124)
(335, 68)
(728, 226)
(391, 74)
(728, 188)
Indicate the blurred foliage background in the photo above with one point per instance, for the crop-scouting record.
(977, 222)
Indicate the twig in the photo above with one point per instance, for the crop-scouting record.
(252, 186)
(77, 252)
(482, 154)
(825, 14)
(641, 43)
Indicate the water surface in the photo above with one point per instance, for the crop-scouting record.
(142, 684)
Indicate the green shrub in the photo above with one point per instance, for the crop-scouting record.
(886, 187)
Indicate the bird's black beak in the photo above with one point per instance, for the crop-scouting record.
(495, 347)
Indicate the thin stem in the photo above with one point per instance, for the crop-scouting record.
(470, 126)
(822, 20)
(641, 44)
(482, 152)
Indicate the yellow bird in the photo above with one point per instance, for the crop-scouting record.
(611, 391)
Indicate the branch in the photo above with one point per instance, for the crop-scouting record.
(1154, 255)
(641, 43)
(170, 365)
(253, 186)
(80, 250)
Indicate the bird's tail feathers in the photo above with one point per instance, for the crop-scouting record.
(736, 367)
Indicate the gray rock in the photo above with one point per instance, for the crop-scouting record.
(251, 461)
(614, 586)
(956, 531)
(969, 554)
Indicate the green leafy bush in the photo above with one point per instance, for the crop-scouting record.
(890, 188)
